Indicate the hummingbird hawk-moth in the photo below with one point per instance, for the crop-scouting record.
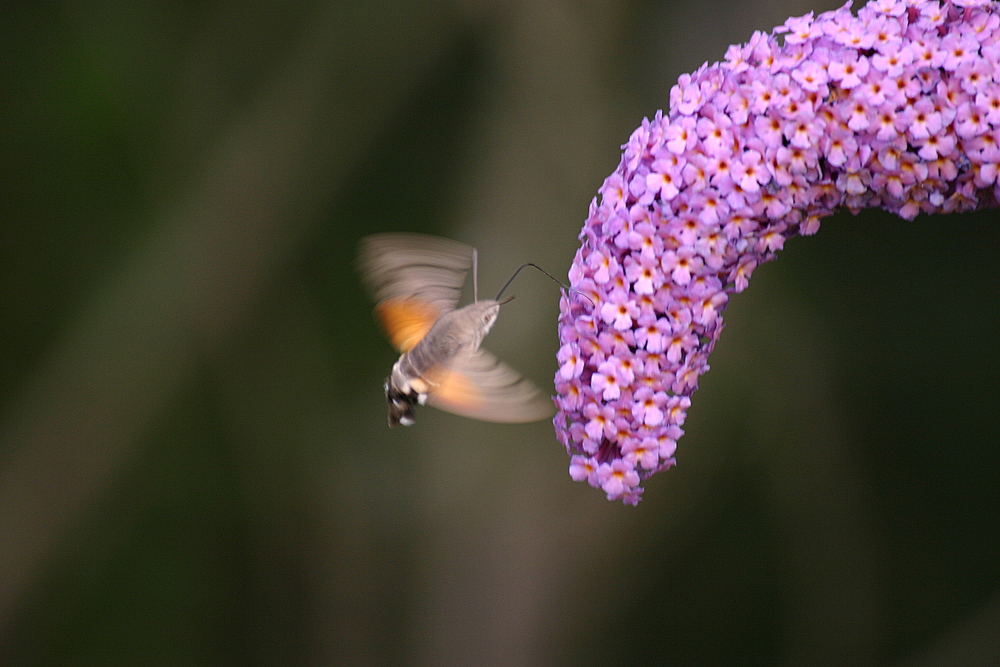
(417, 281)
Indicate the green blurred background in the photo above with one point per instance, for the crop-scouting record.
(194, 462)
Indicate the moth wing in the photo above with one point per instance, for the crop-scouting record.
(406, 321)
(415, 267)
(478, 385)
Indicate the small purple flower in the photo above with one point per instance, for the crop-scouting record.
(605, 381)
(583, 468)
(617, 478)
(619, 310)
(897, 107)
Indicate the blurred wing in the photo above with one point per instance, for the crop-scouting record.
(478, 385)
(406, 321)
(415, 267)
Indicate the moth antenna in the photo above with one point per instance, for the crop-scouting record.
(556, 280)
(475, 275)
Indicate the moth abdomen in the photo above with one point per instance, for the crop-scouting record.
(400, 405)
(406, 388)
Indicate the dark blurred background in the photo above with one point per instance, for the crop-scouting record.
(194, 463)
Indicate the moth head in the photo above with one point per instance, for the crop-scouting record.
(473, 322)
(489, 316)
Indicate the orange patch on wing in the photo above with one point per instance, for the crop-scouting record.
(456, 391)
(406, 321)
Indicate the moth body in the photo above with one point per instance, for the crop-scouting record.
(418, 371)
(417, 280)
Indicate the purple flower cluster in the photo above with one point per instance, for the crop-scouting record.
(897, 107)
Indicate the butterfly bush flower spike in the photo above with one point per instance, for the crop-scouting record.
(897, 107)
